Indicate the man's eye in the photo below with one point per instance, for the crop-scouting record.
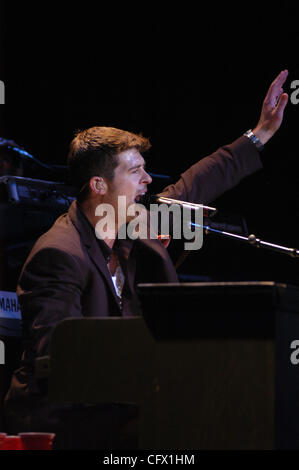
(138, 169)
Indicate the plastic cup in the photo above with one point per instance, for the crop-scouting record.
(2, 438)
(12, 443)
(37, 440)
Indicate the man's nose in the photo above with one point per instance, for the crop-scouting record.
(147, 179)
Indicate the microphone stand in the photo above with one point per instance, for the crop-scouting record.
(251, 240)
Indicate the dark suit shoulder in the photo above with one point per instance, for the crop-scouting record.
(59, 250)
(62, 236)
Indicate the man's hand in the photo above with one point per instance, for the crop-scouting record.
(272, 110)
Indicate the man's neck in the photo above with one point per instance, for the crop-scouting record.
(89, 210)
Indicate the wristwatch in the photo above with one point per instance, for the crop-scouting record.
(254, 139)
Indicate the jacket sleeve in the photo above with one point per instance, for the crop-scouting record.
(213, 175)
(49, 291)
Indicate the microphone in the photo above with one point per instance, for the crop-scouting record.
(155, 198)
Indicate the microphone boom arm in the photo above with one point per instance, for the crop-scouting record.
(251, 240)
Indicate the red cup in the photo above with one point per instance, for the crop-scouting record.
(37, 440)
(12, 443)
(2, 438)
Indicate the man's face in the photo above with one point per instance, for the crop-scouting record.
(130, 178)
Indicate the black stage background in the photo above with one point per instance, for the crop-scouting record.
(191, 78)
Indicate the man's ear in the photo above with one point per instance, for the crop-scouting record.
(98, 185)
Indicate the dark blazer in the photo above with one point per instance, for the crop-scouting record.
(66, 273)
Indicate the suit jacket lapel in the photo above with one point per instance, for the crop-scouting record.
(125, 247)
(127, 262)
(90, 241)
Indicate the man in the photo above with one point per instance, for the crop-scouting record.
(73, 273)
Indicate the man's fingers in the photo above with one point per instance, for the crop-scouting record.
(279, 80)
(274, 90)
(281, 104)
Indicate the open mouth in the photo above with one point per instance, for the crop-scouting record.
(139, 197)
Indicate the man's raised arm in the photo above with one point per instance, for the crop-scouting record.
(213, 175)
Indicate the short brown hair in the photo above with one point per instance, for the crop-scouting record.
(93, 152)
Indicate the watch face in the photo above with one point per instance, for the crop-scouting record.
(254, 139)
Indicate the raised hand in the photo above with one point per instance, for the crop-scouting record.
(272, 110)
